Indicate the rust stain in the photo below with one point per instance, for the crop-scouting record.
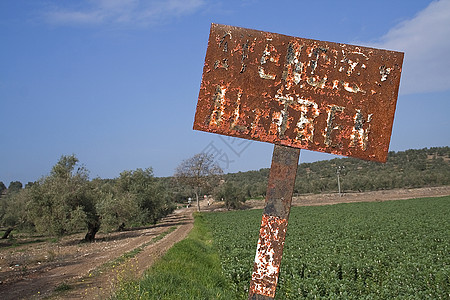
(298, 92)
(268, 256)
(280, 185)
(274, 222)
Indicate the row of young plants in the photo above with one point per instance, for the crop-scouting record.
(381, 250)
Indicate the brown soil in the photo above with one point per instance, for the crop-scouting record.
(35, 268)
(79, 270)
(335, 198)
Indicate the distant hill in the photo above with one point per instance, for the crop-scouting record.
(403, 169)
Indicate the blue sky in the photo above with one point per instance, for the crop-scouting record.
(116, 82)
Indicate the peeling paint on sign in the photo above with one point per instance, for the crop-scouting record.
(274, 222)
(297, 92)
(268, 256)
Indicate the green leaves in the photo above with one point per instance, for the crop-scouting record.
(230, 195)
(135, 198)
(384, 250)
(62, 202)
(66, 201)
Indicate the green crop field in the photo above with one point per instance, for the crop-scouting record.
(380, 250)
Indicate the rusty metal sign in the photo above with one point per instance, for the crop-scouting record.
(295, 93)
(272, 233)
(298, 92)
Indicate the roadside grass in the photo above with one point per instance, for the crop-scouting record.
(63, 287)
(191, 269)
(14, 243)
(23, 238)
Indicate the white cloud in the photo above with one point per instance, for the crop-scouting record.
(135, 12)
(75, 17)
(425, 39)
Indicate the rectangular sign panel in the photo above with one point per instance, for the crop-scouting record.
(298, 92)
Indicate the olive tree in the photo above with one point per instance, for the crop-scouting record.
(13, 211)
(199, 172)
(15, 186)
(2, 188)
(135, 198)
(64, 201)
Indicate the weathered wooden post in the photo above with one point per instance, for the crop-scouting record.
(295, 93)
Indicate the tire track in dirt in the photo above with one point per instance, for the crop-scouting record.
(102, 286)
(72, 269)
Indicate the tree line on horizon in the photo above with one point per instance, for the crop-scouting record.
(67, 201)
(404, 169)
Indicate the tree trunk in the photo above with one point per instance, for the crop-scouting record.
(7, 232)
(93, 228)
(198, 202)
(121, 227)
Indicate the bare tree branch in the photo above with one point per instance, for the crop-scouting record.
(199, 172)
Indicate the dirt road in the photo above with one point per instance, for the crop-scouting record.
(72, 270)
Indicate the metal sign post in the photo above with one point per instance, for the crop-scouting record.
(295, 93)
(274, 222)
